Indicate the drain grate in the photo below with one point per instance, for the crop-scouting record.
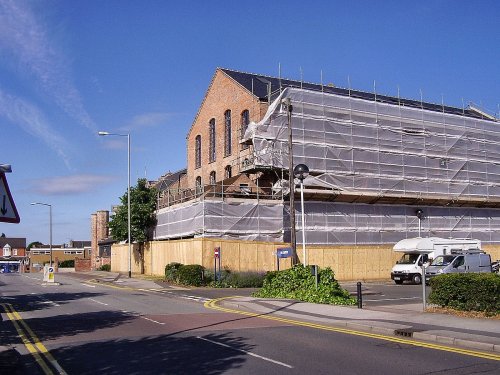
(404, 332)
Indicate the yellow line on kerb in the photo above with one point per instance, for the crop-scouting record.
(31, 341)
(212, 304)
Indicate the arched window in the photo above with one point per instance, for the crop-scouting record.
(228, 171)
(227, 133)
(198, 185)
(211, 151)
(197, 152)
(212, 178)
(245, 120)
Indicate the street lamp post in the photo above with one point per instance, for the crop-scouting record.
(50, 225)
(287, 105)
(420, 216)
(128, 197)
(301, 171)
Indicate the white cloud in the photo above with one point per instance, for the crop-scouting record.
(69, 185)
(32, 121)
(144, 120)
(26, 38)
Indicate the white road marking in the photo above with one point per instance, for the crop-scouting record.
(143, 317)
(33, 278)
(90, 286)
(390, 299)
(151, 320)
(49, 302)
(246, 352)
(99, 302)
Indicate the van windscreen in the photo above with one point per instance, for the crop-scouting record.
(443, 260)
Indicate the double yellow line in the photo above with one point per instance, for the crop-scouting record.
(32, 343)
(213, 304)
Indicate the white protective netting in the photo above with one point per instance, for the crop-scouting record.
(247, 220)
(360, 148)
(364, 147)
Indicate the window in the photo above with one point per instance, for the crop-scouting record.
(212, 178)
(211, 151)
(197, 151)
(198, 185)
(227, 133)
(6, 250)
(245, 120)
(15, 251)
(228, 171)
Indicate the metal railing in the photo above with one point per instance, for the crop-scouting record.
(170, 197)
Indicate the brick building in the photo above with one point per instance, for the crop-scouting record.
(41, 255)
(99, 231)
(214, 151)
(374, 162)
(12, 254)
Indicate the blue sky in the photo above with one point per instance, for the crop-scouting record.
(71, 68)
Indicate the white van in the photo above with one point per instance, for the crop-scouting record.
(418, 251)
(464, 262)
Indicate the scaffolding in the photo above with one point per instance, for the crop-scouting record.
(372, 164)
(359, 148)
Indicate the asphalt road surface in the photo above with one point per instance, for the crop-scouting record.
(83, 328)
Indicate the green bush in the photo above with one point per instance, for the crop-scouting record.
(229, 279)
(191, 274)
(467, 292)
(70, 263)
(105, 267)
(299, 283)
(171, 272)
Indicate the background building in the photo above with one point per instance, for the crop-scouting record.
(13, 254)
(99, 231)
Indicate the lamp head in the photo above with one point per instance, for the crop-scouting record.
(301, 171)
(5, 168)
(103, 133)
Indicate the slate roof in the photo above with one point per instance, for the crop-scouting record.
(258, 84)
(164, 182)
(15, 243)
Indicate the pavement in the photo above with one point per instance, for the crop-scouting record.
(405, 320)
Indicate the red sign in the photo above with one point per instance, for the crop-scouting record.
(217, 252)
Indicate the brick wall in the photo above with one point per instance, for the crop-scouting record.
(82, 265)
(223, 94)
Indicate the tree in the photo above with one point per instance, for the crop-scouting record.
(34, 244)
(142, 216)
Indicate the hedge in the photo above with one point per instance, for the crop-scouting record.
(171, 272)
(69, 263)
(467, 292)
(191, 274)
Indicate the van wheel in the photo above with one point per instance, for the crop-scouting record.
(417, 279)
(399, 282)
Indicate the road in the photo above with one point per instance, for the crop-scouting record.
(374, 294)
(83, 328)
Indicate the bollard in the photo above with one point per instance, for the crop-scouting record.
(424, 299)
(360, 296)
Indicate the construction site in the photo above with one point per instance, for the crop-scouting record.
(381, 169)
